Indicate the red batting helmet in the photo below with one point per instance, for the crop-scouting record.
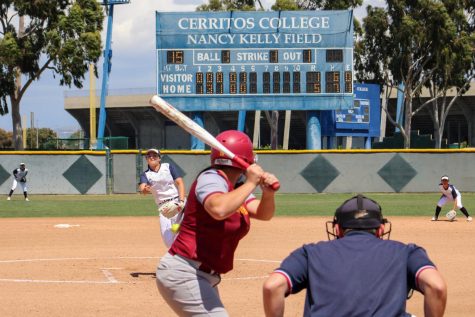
(238, 143)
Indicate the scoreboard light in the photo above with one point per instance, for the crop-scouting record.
(274, 56)
(248, 71)
(348, 82)
(334, 56)
(175, 57)
(307, 56)
(225, 56)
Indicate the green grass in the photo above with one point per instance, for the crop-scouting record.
(287, 204)
(78, 206)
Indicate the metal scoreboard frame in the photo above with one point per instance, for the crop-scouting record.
(241, 60)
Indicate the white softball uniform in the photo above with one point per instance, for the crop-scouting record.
(22, 185)
(164, 189)
(449, 195)
(18, 174)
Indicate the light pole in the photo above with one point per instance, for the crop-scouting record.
(109, 4)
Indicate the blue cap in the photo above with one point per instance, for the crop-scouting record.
(359, 212)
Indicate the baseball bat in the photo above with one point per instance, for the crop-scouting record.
(196, 130)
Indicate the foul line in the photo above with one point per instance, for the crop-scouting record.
(79, 259)
(109, 276)
(53, 281)
(106, 271)
(246, 278)
(116, 258)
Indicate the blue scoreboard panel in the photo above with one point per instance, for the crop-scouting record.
(363, 119)
(358, 114)
(287, 60)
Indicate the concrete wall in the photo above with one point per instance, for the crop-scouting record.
(84, 172)
(56, 174)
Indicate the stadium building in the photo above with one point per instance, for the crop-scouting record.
(129, 115)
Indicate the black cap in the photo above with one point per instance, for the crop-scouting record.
(359, 212)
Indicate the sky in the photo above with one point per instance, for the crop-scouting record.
(133, 63)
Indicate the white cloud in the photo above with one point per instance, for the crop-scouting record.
(134, 23)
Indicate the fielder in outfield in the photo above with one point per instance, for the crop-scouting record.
(217, 217)
(166, 184)
(449, 194)
(19, 177)
(358, 273)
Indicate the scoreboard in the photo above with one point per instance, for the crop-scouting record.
(360, 113)
(362, 119)
(287, 60)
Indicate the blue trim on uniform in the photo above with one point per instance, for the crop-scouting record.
(174, 171)
(454, 191)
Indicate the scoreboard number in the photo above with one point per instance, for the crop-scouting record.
(261, 71)
(175, 57)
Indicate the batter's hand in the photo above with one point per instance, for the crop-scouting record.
(267, 180)
(254, 173)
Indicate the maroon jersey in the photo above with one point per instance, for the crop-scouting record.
(207, 240)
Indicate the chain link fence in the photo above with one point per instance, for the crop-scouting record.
(111, 143)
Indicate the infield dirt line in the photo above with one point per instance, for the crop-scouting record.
(53, 281)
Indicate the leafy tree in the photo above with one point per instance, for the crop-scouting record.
(75, 141)
(328, 4)
(213, 5)
(288, 5)
(229, 5)
(469, 6)
(453, 68)
(409, 42)
(37, 138)
(5, 139)
(62, 36)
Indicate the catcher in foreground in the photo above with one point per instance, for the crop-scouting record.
(358, 273)
(164, 181)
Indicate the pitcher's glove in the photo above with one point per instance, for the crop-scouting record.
(23, 180)
(171, 208)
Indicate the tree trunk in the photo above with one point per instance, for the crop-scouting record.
(16, 124)
(438, 137)
(407, 118)
(15, 98)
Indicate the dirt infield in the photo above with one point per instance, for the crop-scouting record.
(105, 266)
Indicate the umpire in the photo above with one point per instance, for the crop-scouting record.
(358, 273)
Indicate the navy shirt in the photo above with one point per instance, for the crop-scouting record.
(357, 275)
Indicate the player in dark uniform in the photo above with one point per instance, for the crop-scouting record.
(19, 177)
(359, 273)
(216, 217)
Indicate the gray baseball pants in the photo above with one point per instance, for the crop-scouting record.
(187, 290)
